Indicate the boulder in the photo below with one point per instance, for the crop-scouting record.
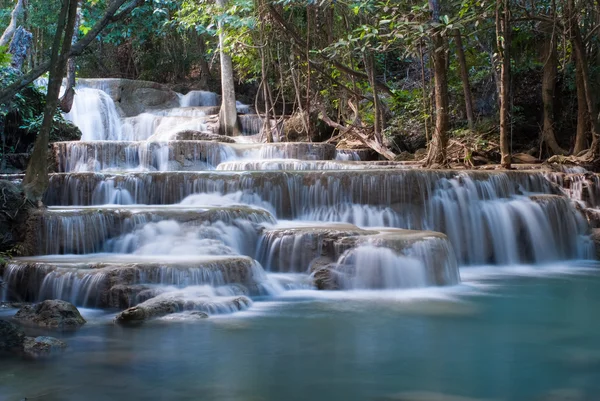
(40, 347)
(52, 314)
(14, 212)
(12, 336)
(134, 96)
(188, 300)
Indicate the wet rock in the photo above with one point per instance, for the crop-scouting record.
(404, 156)
(326, 278)
(52, 314)
(14, 213)
(12, 336)
(126, 296)
(191, 135)
(596, 239)
(41, 347)
(524, 158)
(420, 153)
(181, 301)
(134, 97)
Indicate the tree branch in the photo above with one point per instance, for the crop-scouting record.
(110, 16)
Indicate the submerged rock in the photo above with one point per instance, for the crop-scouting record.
(52, 314)
(12, 336)
(40, 347)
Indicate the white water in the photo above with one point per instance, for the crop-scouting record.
(96, 115)
(171, 252)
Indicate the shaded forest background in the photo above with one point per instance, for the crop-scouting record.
(385, 74)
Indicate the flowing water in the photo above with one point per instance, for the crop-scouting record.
(325, 276)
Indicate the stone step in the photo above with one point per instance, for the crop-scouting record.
(309, 247)
(293, 193)
(309, 165)
(174, 155)
(120, 281)
(81, 230)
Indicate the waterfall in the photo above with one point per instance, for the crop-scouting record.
(96, 115)
(199, 98)
(141, 214)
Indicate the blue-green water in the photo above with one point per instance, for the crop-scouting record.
(506, 337)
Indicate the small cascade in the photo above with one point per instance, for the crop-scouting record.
(252, 124)
(154, 127)
(427, 262)
(95, 280)
(579, 185)
(196, 112)
(67, 230)
(347, 155)
(96, 115)
(292, 164)
(369, 267)
(286, 150)
(140, 156)
(244, 108)
(199, 98)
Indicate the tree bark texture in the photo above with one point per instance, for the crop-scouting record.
(111, 14)
(580, 57)
(35, 182)
(228, 124)
(12, 25)
(464, 76)
(550, 62)
(503, 31)
(439, 140)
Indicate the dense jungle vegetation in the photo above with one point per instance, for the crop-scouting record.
(463, 81)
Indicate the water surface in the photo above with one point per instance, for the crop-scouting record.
(512, 334)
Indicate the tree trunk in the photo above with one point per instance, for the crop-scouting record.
(204, 67)
(581, 140)
(550, 60)
(66, 102)
(36, 176)
(109, 16)
(228, 124)
(580, 56)
(439, 140)
(12, 26)
(464, 76)
(377, 112)
(503, 31)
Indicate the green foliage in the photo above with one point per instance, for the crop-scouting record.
(4, 56)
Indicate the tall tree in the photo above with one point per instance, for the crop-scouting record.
(228, 123)
(12, 26)
(584, 75)
(36, 177)
(503, 37)
(439, 140)
(464, 76)
(550, 62)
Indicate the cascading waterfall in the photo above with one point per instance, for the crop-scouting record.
(96, 115)
(139, 217)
